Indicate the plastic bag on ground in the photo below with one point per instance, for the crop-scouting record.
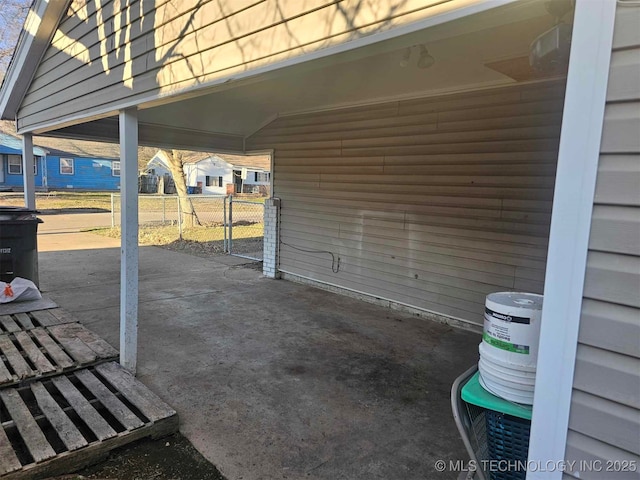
(19, 290)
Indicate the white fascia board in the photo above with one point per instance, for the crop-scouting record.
(569, 237)
(41, 23)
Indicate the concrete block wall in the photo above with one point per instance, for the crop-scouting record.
(270, 256)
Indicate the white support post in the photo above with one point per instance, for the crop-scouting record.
(569, 237)
(27, 172)
(129, 238)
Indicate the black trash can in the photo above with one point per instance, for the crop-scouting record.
(18, 244)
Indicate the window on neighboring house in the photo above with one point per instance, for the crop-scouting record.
(213, 181)
(15, 165)
(115, 169)
(66, 166)
(262, 176)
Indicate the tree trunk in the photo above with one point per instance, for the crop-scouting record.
(173, 160)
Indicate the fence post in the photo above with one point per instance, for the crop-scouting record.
(179, 218)
(113, 213)
(230, 223)
(164, 210)
(224, 223)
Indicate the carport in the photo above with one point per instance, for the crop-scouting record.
(414, 151)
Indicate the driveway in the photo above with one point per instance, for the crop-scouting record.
(273, 379)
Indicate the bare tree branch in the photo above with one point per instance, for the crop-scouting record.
(12, 15)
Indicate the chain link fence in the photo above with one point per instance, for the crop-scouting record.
(246, 228)
(205, 224)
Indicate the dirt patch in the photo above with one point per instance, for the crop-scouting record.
(169, 458)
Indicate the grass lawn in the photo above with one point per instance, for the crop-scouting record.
(61, 200)
(201, 241)
(102, 201)
(165, 234)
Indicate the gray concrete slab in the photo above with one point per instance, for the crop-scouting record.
(273, 379)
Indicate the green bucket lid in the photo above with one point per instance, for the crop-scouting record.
(474, 393)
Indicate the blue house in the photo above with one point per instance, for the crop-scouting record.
(61, 164)
(11, 162)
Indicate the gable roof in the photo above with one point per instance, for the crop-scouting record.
(58, 146)
(251, 162)
(79, 148)
(13, 145)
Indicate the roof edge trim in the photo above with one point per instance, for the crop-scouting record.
(38, 30)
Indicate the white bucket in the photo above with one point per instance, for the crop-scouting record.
(509, 348)
(507, 393)
(508, 376)
(512, 327)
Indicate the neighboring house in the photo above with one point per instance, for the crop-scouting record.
(414, 142)
(61, 164)
(221, 174)
(11, 163)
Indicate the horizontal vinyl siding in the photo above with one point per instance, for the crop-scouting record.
(113, 53)
(604, 422)
(432, 202)
(14, 180)
(88, 174)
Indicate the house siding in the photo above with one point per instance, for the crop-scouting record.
(432, 202)
(106, 54)
(88, 174)
(198, 172)
(13, 180)
(604, 422)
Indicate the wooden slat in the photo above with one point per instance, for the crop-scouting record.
(101, 348)
(53, 349)
(30, 432)
(62, 316)
(72, 344)
(45, 318)
(112, 403)
(8, 460)
(5, 375)
(15, 359)
(148, 402)
(84, 409)
(36, 356)
(67, 431)
(8, 324)
(24, 320)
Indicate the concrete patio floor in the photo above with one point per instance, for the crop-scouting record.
(273, 379)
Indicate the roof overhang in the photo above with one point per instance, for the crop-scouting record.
(39, 28)
(219, 115)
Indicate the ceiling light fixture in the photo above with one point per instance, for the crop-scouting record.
(426, 60)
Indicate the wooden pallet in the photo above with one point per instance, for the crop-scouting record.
(39, 352)
(29, 320)
(69, 421)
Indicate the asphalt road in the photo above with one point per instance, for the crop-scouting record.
(73, 222)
